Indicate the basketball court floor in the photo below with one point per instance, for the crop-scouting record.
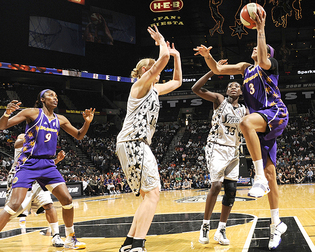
(102, 223)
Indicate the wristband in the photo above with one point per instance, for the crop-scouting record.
(5, 114)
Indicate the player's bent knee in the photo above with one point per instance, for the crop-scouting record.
(68, 206)
(9, 210)
(48, 207)
(230, 192)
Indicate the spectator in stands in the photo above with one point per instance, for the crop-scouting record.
(309, 175)
(300, 177)
(186, 184)
(177, 185)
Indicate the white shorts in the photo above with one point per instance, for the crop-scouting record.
(222, 162)
(34, 199)
(138, 161)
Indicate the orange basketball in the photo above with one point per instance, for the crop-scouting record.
(248, 12)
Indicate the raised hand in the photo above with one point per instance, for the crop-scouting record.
(13, 106)
(156, 35)
(260, 19)
(60, 156)
(223, 62)
(88, 115)
(172, 50)
(202, 50)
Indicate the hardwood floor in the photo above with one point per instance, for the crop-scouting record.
(102, 223)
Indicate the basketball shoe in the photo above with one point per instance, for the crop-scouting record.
(220, 236)
(56, 241)
(72, 242)
(125, 248)
(204, 234)
(138, 250)
(260, 187)
(275, 234)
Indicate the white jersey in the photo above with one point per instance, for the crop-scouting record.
(141, 118)
(225, 124)
(12, 172)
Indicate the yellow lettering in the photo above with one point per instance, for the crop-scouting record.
(156, 6)
(166, 5)
(48, 129)
(176, 4)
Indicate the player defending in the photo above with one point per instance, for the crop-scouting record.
(268, 118)
(133, 150)
(36, 198)
(222, 152)
(36, 159)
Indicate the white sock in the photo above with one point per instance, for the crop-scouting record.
(206, 222)
(54, 228)
(275, 219)
(259, 167)
(221, 225)
(69, 230)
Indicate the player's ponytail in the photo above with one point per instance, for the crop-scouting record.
(38, 103)
(137, 71)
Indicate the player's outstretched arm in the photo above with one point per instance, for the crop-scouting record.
(177, 80)
(28, 114)
(204, 93)
(65, 124)
(262, 57)
(230, 69)
(143, 85)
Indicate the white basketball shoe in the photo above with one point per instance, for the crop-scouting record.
(220, 236)
(275, 234)
(204, 234)
(260, 187)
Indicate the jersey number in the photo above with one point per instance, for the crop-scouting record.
(48, 137)
(230, 130)
(251, 88)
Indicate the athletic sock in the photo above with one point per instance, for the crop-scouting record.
(221, 225)
(275, 219)
(259, 167)
(205, 222)
(69, 230)
(54, 228)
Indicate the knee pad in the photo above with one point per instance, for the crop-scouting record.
(230, 192)
(9, 210)
(68, 206)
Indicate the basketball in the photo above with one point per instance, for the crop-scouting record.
(248, 12)
(96, 18)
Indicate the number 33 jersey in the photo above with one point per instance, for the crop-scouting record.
(225, 124)
(40, 138)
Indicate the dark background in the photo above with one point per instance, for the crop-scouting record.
(119, 59)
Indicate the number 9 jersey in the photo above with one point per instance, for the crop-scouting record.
(40, 138)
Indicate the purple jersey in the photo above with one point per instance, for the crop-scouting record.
(262, 95)
(260, 89)
(40, 138)
(39, 148)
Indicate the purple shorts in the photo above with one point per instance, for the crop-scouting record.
(42, 170)
(277, 119)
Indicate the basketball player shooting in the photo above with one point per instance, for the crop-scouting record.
(267, 119)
